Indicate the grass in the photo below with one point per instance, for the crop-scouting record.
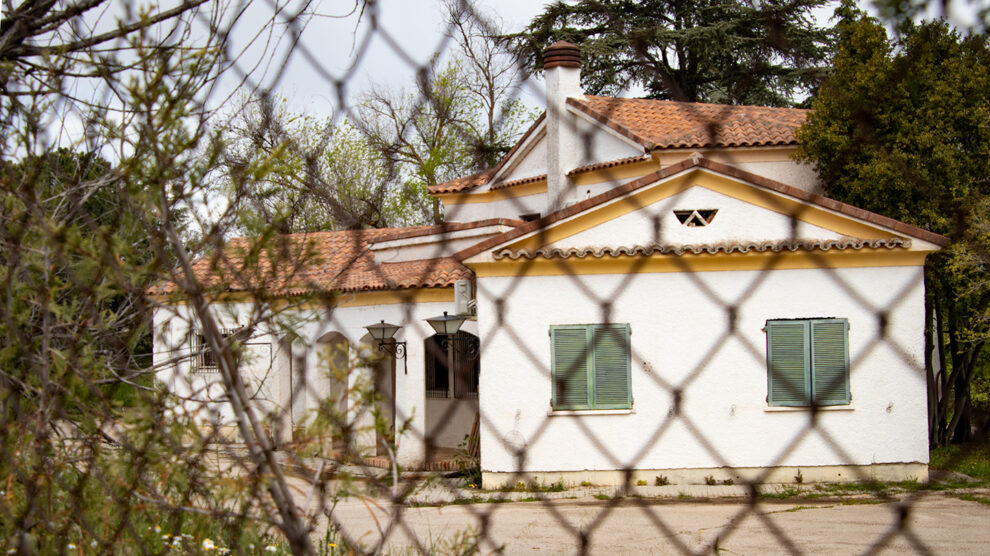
(971, 459)
(974, 498)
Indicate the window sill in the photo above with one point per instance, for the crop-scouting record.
(793, 409)
(580, 412)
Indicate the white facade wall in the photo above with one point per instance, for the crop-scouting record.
(735, 221)
(273, 381)
(682, 339)
(502, 208)
(529, 163)
(790, 172)
(175, 342)
(597, 143)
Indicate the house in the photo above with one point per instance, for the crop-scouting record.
(659, 289)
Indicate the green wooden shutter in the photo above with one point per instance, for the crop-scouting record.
(611, 366)
(787, 362)
(570, 366)
(830, 361)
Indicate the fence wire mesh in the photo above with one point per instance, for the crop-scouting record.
(193, 272)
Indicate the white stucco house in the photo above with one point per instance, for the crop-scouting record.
(656, 289)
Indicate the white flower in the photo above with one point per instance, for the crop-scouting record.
(223, 550)
(70, 546)
(271, 548)
(158, 529)
(93, 544)
(208, 545)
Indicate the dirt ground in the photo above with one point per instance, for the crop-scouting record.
(926, 522)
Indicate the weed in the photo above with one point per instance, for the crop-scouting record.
(973, 498)
(602, 497)
(534, 487)
(683, 495)
(971, 459)
(728, 482)
(783, 493)
(861, 501)
(585, 484)
(641, 483)
(709, 480)
(661, 480)
(799, 478)
(543, 487)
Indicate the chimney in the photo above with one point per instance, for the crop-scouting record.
(562, 69)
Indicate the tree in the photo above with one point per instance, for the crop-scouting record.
(459, 120)
(766, 53)
(901, 128)
(104, 149)
(318, 175)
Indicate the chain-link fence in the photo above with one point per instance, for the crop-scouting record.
(231, 327)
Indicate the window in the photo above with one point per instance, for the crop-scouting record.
(590, 366)
(464, 377)
(204, 360)
(807, 362)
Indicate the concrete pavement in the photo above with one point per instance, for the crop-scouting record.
(559, 523)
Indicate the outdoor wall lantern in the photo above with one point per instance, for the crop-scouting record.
(446, 327)
(382, 332)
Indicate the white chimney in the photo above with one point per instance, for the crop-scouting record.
(562, 69)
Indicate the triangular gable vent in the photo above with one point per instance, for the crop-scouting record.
(695, 218)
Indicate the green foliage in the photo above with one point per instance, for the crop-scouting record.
(296, 173)
(970, 459)
(901, 129)
(974, 498)
(766, 53)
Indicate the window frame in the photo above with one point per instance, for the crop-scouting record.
(591, 361)
(811, 359)
(202, 352)
(467, 361)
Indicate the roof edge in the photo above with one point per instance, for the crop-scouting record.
(699, 161)
(605, 120)
(491, 172)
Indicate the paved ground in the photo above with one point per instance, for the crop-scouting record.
(936, 522)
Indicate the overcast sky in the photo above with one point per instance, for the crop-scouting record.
(335, 44)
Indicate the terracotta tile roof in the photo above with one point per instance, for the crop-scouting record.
(458, 185)
(698, 161)
(609, 164)
(667, 124)
(320, 262)
(791, 245)
(462, 184)
(521, 181)
(444, 227)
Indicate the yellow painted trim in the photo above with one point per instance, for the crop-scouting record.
(741, 191)
(524, 190)
(626, 171)
(699, 263)
(359, 299)
(738, 155)
(640, 198)
(393, 297)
